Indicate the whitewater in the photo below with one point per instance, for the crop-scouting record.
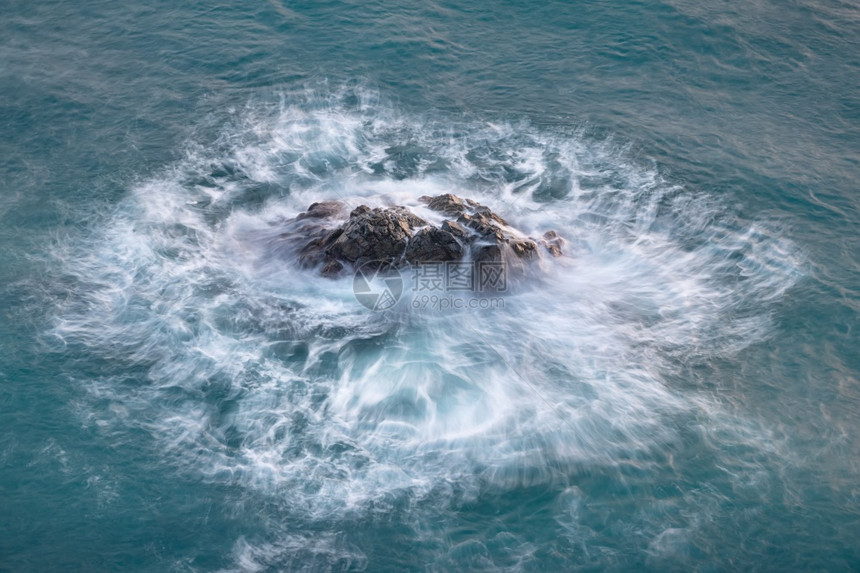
(247, 372)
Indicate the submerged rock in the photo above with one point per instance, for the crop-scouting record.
(325, 237)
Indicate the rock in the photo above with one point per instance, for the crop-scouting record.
(552, 243)
(332, 269)
(373, 234)
(325, 209)
(524, 249)
(455, 229)
(433, 244)
(414, 221)
(314, 252)
(358, 211)
(448, 204)
(326, 237)
(488, 254)
(482, 226)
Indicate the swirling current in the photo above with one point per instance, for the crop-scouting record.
(247, 372)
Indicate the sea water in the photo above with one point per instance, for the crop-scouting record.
(679, 391)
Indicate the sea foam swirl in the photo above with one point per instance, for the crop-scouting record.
(245, 370)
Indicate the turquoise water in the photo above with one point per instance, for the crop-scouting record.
(681, 393)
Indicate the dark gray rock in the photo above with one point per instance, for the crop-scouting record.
(374, 234)
(326, 237)
(313, 252)
(488, 254)
(432, 244)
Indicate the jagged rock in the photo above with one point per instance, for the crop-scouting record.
(327, 238)
(374, 234)
(433, 244)
(524, 249)
(414, 221)
(482, 226)
(455, 229)
(448, 204)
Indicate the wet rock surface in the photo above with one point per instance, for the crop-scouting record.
(331, 238)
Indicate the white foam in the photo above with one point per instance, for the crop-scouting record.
(332, 407)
